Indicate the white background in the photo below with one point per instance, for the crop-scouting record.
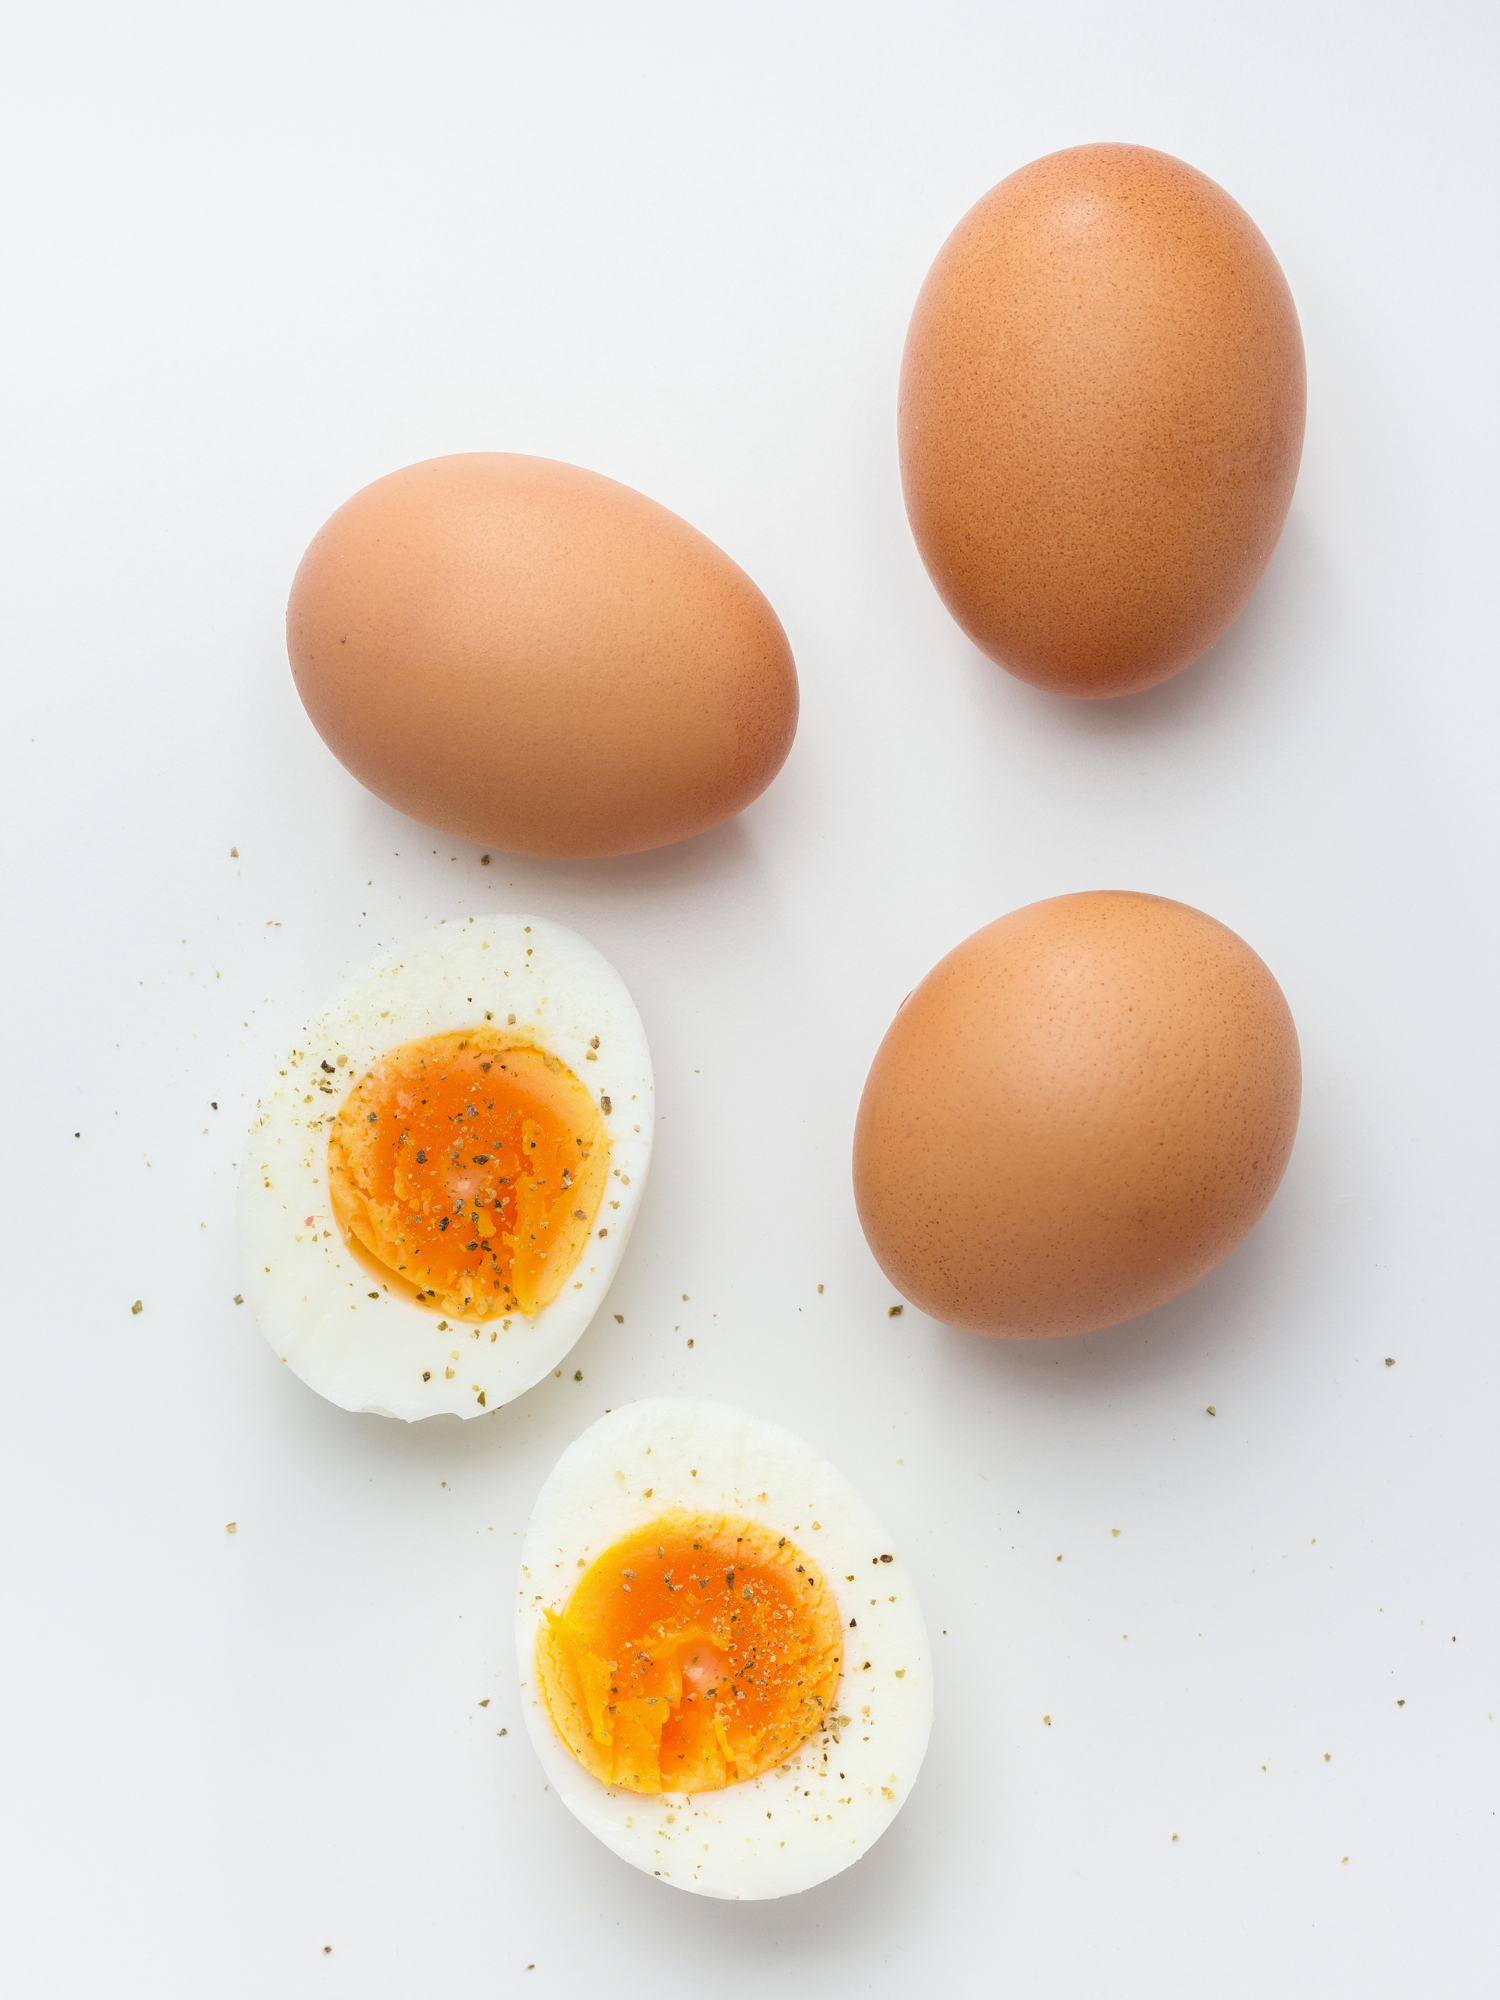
(256, 257)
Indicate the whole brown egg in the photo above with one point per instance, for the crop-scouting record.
(1101, 414)
(1075, 1116)
(531, 656)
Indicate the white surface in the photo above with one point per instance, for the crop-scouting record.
(256, 258)
(685, 1455)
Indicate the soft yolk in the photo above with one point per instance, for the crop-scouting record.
(699, 1651)
(472, 1168)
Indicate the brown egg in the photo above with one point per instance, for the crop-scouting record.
(531, 656)
(1076, 1115)
(1101, 416)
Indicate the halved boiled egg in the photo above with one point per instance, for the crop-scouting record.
(725, 1669)
(439, 1184)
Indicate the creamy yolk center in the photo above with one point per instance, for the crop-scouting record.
(472, 1168)
(699, 1651)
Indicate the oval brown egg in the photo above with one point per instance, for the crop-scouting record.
(1075, 1116)
(1101, 415)
(531, 656)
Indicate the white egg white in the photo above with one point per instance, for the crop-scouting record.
(821, 1810)
(365, 1343)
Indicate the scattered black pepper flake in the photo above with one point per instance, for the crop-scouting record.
(326, 1066)
(605, 1106)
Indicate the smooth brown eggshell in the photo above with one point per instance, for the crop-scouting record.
(1101, 416)
(1076, 1115)
(533, 657)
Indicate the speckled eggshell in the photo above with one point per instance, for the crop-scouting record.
(1101, 416)
(533, 657)
(1075, 1116)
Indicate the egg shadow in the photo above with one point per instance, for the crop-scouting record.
(1236, 1311)
(532, 1430)
(1264, 649)
(719, 869)
(725, 854)
(814, 1925)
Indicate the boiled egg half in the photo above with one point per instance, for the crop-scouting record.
(440, 1181)
(724, 1668)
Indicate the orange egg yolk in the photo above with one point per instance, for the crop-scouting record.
(472, 1168)
(699, 1651)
